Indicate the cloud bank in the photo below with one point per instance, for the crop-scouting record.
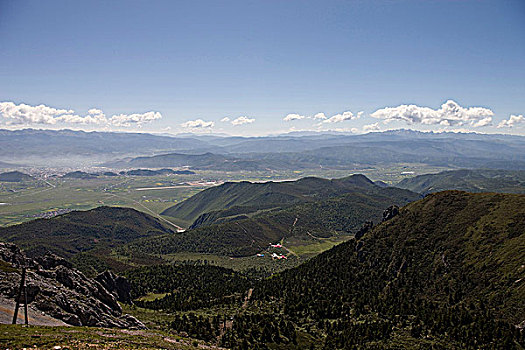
(513, 121)
(23, 114)
(450, 114)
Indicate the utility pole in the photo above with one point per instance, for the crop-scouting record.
(21, 290)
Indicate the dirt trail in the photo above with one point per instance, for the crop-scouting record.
(247, 298)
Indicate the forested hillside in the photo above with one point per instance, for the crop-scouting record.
(245, 197)
(447, 270)
(80, 231)
(238, 233)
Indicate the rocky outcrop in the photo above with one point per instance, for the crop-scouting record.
(62, 292)
(116, 285)
(367, 226)
(390, 212)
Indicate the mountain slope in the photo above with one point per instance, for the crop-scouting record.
(249, 197)
(467, 180)
(80, 231)
(310, 220)
(446, 272)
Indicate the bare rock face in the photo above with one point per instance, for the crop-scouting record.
(62, 292)
(116, 285)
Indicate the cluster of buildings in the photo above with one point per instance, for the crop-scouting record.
(274, 255)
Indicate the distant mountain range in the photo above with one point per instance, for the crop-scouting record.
(197, 161)
(468, 150)
(467, 180)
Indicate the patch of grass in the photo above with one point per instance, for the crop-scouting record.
(152, 296)
(40, 337)
(153, 319)
(311, 249)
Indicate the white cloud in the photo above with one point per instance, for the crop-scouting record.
(197, 124)
(243, 120)
(95, 111)
(134, 119)
(94, 116)
(294, 116)
(23, 114)
(342, 117)
(450, 114)
(512, 121)
(225, 119)
(482, 122)
(371, 127)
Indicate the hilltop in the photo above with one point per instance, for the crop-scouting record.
(149, 172)
(245, 197)
(79, 175)
(15, 176)
(83, 231)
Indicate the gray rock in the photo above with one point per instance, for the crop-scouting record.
(63, 292)
(117, 285)
(51, 260)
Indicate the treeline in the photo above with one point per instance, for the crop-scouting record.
(255, 331)
(244, 331)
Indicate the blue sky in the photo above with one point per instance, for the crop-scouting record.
(102, 65)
